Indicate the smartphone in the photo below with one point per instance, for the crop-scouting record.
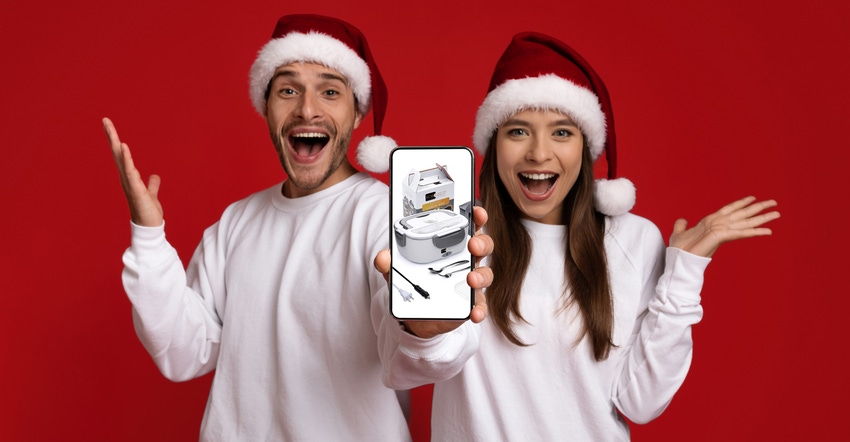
(431, 199)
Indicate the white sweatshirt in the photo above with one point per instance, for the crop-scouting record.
(281, 299)
(554, 389)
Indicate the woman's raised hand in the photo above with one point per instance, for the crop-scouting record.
(741, 219)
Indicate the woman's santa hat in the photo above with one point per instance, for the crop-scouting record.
(539, 72)
(339, 46)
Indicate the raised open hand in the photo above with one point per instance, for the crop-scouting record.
(738, 220)
(145, 209)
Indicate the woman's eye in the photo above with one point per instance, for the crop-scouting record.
(562, 133)
(516, 132)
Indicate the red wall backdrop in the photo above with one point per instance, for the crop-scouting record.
(713, 101)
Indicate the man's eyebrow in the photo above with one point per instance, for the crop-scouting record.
(292, 74)
(283, 73)
(332, 76)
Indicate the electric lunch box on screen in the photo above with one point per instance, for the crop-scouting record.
(428, 236)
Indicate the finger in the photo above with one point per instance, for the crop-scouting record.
(480, 278)
(112, 136)
(479, 310)
(126, 158)
(760, 219)
(480, 245)
(736, 205)
(153, 185)
(131, 178)
(734, 235)
(123, 158)
(115, 144)
(111, 133)
(479, 216)
(750, 233)
(753, 209)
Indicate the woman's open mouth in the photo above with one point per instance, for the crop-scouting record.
(537, 183)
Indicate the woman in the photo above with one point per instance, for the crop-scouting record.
(590, 313)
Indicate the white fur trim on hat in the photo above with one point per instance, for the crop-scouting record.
(311, 47)
(544, 92)
(373, 153)
(613, 197)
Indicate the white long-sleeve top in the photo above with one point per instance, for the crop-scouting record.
(281, 299)
(554, 389)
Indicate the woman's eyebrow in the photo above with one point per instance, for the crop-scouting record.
(564, 122)
(516, 122)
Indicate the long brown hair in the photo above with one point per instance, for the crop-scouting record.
(585, 266)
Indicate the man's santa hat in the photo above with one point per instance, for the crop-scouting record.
(539, 72)
(339, 46)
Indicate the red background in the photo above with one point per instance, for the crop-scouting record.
(713, 101)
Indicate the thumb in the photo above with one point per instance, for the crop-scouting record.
(680, 226)
(383, 261)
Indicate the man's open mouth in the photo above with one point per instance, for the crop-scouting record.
(538, 183)
(308, 143)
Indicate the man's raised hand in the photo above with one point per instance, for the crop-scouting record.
(145, 209)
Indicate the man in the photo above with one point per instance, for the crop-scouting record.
(280, 297)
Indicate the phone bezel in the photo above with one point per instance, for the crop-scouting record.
(399, 170)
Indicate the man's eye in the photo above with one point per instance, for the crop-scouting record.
(331, 92)
(287, 91)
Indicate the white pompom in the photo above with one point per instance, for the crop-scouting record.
(614, 197)
(373, 153)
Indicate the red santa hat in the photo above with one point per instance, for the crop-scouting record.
(339, 46)
(537, 71)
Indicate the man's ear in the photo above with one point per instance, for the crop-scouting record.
(358, 117)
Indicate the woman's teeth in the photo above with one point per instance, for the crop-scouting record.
(537, 183)
(538, 176)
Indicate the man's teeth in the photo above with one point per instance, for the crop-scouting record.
(538, 176)
(309, 135)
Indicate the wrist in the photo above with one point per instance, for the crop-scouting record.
(407, 329)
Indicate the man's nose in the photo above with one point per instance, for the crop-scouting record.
(310, 107)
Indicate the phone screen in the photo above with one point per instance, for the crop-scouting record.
(431, 200)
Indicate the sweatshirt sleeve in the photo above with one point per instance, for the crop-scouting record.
(175, 316)
(660, 349)
(407, 360)
(410, 361)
